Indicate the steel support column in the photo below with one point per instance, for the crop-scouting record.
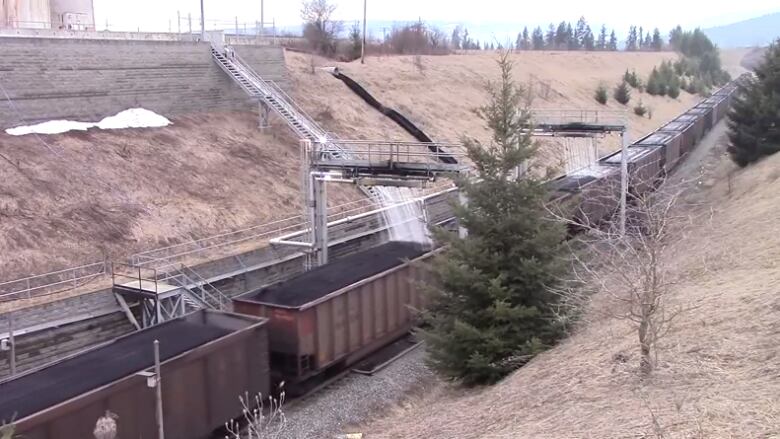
(265, 114)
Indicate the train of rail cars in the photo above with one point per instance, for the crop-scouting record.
(294, 331)
(592, 193)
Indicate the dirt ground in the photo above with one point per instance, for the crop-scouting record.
(718, 373)
(82, 197)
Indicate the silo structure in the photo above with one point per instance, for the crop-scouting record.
(73, 14)
(25, 14)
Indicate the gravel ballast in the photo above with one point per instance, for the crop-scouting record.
(357, 398)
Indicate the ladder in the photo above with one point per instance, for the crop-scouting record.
(283, 105)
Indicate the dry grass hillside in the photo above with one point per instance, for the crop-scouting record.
(719, 368)
(110, 194)
(441, 97)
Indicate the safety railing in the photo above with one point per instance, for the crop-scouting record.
(392, 151)
(50, 283)
(608, 118)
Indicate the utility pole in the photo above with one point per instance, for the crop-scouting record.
(623, 181)
(262, 17)
(189, 20)
(158, 391)
(12, 342)
(202, 23)
(178, 22)
(363, 46)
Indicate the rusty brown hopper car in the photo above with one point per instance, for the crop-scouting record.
(208, 359)
(644, 166)
(590, 195)
(686, 130)
(703, 112)
(670, 141)
(338, 313)
(713, 102)
(697, 127)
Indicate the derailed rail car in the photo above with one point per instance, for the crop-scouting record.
(336, 314)
(208, 359)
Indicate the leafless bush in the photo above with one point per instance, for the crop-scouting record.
(7, 431)
(417, 38)
(418, 64)
(320, 30)
(261, 421)
(632, 271)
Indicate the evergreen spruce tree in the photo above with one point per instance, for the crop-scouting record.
(490, 308)
(658, 42)
(519, 41)
(653, 86)
(613, 42)
(588, 41)
(550, 38)
(537, 39)
(561, 37)
(622, 93)
(631, 41)
(753, 120)
(601, 44)
(571, 41)
(581, 31)
(526, 39)
(601, 95)
(641, 38)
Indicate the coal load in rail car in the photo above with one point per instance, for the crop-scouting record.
(670, 141)
(644, 167)
(336, 314)
(207, 359)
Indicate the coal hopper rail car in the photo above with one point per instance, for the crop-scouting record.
(333, 316)
(208, 359)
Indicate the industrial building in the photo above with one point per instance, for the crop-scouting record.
(47, 14)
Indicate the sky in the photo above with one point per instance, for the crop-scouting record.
(160, 15)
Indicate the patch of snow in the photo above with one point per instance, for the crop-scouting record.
(132, 118)
(50, 127)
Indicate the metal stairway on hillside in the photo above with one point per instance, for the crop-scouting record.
(272, 95)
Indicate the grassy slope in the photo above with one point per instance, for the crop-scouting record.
(210, 173)
(719, 370)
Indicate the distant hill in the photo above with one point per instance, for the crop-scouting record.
(758, 31)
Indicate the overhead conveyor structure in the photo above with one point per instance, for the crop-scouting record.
(397, 117)
(336, 152)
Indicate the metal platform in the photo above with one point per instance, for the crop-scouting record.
(387, 159)
(577, 123)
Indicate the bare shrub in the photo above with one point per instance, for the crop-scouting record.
(418, 64)
(631, 271)
(417, 39)
(319, 29)
(260, 421)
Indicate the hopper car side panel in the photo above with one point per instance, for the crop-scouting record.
(200, 386)
(341, 326)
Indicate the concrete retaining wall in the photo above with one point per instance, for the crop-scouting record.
(87, 80)
(98, 317)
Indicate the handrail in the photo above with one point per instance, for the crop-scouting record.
(52, 282)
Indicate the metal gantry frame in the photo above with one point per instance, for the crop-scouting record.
(590, 124)
(379, 163)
